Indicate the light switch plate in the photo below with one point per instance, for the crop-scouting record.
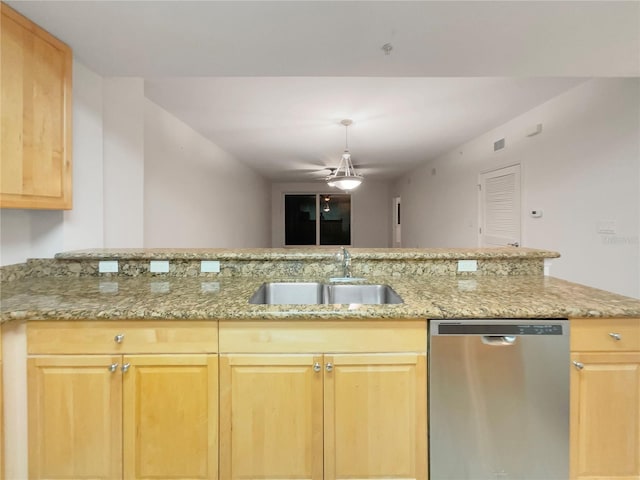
(467, 265)
(608, 227)
(108, 266)
(159, 266)
(210, 266)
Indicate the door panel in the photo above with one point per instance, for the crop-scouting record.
(605, 416)
(270, 417)
(35, 88)
(75, 417)
(170, 416)
(500, 207)
(375, 416)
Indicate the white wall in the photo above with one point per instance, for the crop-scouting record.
(228, 203)
(195, 194)
(582, 169)
(123, 117)
(42, 233)
(370, 211)
(83, 225)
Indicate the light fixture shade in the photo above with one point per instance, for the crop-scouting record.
(348, 183)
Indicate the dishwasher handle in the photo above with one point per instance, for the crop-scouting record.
(499, 340)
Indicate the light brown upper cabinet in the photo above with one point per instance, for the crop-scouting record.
(35, 133)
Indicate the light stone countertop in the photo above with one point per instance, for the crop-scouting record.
(327, 253)
(439, 296)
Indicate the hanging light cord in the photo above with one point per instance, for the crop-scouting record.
(346, 138)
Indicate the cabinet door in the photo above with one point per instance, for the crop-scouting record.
(1, 415)
(605, 416)
(35, 89)
(270, 417)
(74, 405)
(375, 422)
(170, 416)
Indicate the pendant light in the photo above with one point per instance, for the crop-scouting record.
(326, 207)
(345, 176)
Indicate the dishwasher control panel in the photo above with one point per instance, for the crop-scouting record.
(500, 327)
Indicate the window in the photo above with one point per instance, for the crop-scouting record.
(317, 219)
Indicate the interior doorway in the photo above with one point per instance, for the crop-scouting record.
(396, 233)
(499, 201)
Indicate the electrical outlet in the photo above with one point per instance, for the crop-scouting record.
(159, 287)
(209, 287)
(547, 267)
(210, 266)
(467, 265)
(159, 266)
(108, 287)
(468, 285)
(108, 266)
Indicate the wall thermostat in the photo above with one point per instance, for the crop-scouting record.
(535, 213)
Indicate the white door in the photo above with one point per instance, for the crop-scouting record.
(500, 207)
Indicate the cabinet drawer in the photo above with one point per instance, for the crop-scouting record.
(601, 335)
(86, 337)
(314, 336)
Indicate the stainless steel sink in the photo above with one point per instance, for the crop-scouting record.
(280, 293)
(315, 293)
(366, 294)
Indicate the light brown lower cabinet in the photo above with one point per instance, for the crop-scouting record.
(131, 416)
(323, 399)
(605, 399)
(375, 417)
(1, 414)
(106, 401)
(323, 416)
(124, 415)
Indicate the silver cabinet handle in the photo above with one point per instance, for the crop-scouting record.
(113, 367)
(329, 367)
(125, 367)
(118, 338)
(616, 336)
(578, 365)
(317, 367)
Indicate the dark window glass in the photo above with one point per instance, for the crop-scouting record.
(304, 213)
(300, 219)
(335, 220)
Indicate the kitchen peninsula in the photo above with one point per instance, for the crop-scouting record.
(507, 282)
(101, 348)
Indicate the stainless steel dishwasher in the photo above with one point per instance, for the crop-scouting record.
(499, 399)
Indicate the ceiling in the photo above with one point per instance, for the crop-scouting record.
(270, 81)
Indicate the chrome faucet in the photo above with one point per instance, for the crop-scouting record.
(346, 263)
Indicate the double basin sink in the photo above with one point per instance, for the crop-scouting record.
(317, 293)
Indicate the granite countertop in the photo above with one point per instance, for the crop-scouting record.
(273, 254)
(156, 297)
